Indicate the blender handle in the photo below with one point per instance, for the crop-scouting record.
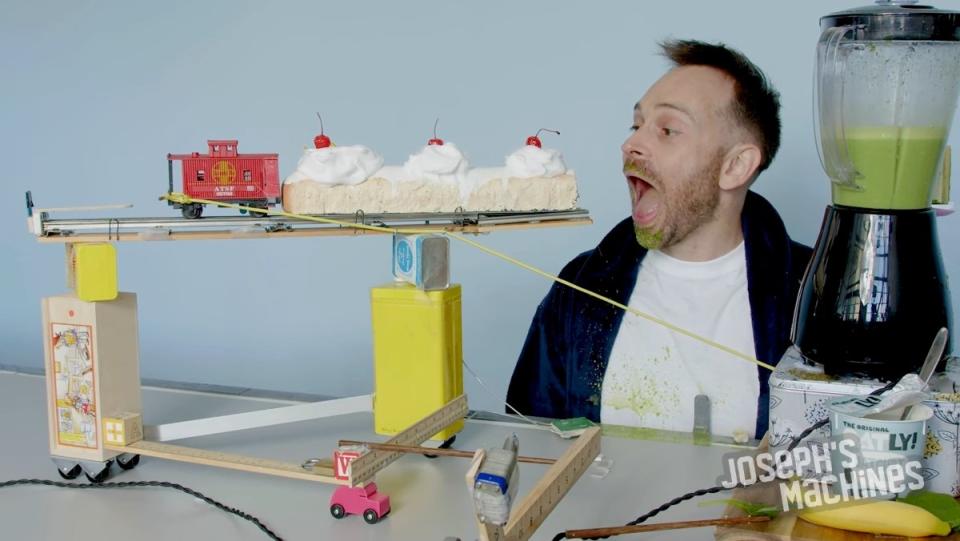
(941, 199)
(829, 101)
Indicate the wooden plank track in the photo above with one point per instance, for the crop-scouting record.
(322, 473)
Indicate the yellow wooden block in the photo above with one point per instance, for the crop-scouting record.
(417, 355)
(92, 271)
(123, 429)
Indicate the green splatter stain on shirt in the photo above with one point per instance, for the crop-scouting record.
(642, 393)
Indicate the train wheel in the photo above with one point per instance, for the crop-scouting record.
(191, 211)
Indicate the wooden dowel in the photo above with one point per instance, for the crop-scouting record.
(639, 528)
(439, 452)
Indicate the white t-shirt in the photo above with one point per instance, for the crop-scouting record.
(654, 373)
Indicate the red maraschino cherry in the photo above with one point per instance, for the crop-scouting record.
(535, 140)
(321, 141)
(435, 140)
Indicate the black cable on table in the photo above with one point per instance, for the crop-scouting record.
(164, 484)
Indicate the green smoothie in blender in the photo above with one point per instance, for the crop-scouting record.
(896, 166)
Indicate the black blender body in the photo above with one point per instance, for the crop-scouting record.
(874, 294)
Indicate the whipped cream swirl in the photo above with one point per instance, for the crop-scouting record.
(341, 165)
(532, 161)
(444, 163)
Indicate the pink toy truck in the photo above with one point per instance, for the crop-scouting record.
(360, 500)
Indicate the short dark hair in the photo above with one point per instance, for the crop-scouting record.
(755, 104)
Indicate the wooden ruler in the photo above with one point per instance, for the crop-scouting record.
(552, 487)
(322, 472)
(364, 468)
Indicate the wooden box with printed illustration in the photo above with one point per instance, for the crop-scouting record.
(92, 372)
(798, 396)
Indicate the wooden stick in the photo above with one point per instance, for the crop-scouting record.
(619, 530)
(439, 452)
(322, 472)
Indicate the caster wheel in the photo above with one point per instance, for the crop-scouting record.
(128, 464)
(99, 478)
(70, 474)
(370, 516)
(447, 443)
(337, 511)
(102, 476)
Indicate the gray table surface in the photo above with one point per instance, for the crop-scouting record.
(429, 499)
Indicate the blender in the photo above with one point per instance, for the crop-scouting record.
(875, 293)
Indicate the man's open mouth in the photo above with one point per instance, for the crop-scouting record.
(646, 198)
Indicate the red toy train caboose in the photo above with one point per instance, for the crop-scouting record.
(224, 175)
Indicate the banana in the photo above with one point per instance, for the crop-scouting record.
(879, 517)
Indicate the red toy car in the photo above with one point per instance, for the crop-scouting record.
(356, 500)
(224, 175)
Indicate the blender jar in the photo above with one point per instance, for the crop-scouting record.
(887, 82)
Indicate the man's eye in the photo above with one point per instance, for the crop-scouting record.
(634, 127)
(668, 131)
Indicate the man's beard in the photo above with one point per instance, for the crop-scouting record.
(684, 209)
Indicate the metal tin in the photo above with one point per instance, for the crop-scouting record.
(422, 260)
(799, 396)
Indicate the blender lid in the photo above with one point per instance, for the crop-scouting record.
(897, 20)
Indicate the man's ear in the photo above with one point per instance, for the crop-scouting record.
(739, 166)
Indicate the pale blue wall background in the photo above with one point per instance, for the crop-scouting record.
(94, 94)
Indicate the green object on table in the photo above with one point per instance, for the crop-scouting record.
(943, 506)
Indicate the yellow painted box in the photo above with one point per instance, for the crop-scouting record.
(417, 355)
(92, 271)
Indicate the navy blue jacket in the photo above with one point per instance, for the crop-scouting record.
(561, 367)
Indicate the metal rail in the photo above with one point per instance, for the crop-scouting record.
(175, 227)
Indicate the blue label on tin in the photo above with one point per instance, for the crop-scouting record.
(404, 256)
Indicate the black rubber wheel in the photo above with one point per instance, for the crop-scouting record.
(370, 516)
(447, 443)
(102, 476)
(337, 511)
(129, 464)
(72, 474)
(191, 211)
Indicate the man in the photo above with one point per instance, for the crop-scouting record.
(700, 251)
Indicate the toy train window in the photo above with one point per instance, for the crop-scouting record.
(216, 148)
(200, 175)
(247, 175)
(229, 148)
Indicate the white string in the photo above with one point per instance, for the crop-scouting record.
(493, 395)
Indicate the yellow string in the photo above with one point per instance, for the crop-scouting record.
(182, 198)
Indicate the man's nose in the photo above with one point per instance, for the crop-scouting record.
(635, 145)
